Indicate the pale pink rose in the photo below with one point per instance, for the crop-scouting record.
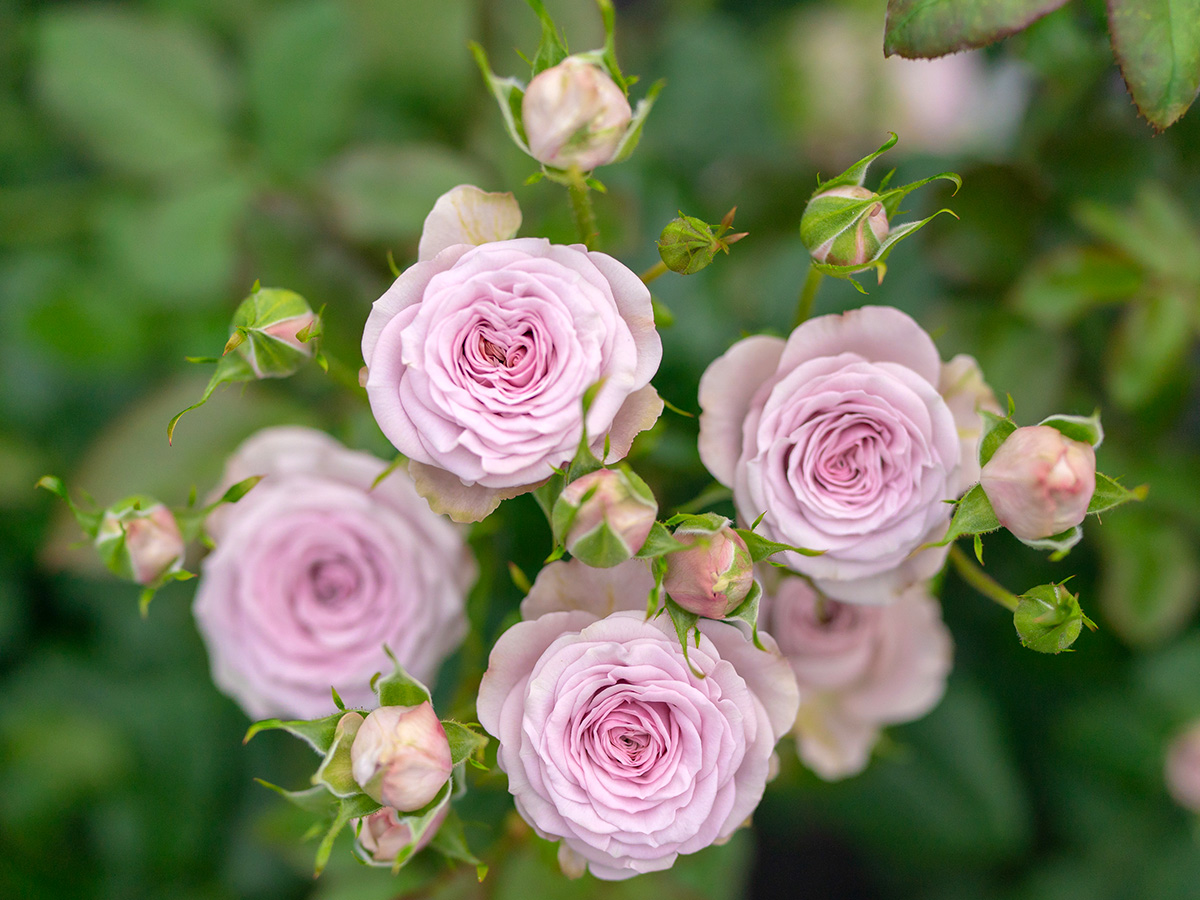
(314, 572)
(478, 360)
(153, 542)
(840, 435)
(574, 115)
(1182, 770)
(713, 575)
(859, 668)
(381, 835)
(1040, 482)
(614, 745)
(401, 757)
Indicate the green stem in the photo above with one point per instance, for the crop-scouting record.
(581, 207)
(980, 580)
(659, 268)
(808, 294)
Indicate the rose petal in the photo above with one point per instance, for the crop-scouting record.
(468, 215)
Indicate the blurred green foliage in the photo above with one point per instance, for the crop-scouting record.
(157, 157)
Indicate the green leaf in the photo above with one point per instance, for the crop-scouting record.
(1157, 45)
(1149, 347)
(1067, 283)
(659, 543)
(927, 28)
(760, 547)
(147, 96)
(399, 688)
(1110, 494)
(334, 772)
(464, 741)
(1085, 429)
(1059, 543)
(1151, 583)
(972, 515)
(317, 733)
(1157, 231)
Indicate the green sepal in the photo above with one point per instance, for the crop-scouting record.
(659, 542)
(713, 522)
(231, 369)
(857, 173)
(1048, 618)
(150, 591)
(88, 521)
(892, 197)
(317, 733)
(760, 547)
(399, 688)
(973, 514)
(418, 823)
(465, 742)
(348, 808)
(334, 772)
(191, 518)
(601, 548)
(519, 578)
(633, 131)
(1085, 429)
(552, 48)
(996, 430)
(314, 799)
(391, 467)
(1060, 544)
(508, 93)
(748, 612)
(685, 624)
(1110, 493)
(658, 569)
(451, 842)
(609, 54)
(894, 236)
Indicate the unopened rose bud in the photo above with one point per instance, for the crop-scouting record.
(1040, 482)
(1183, 769)
(604, 517)
(844, 226)
(382, 835)
(140, 540)
(574, 114)
(267, 328)
(401, 757)
(1048, 618)
(713, 575)
(688, 244)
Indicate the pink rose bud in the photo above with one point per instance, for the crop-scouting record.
(382, 835)
(830, 240)
(1183, 769)
(574, 114)
(140, 542)
(400, 756)
(606, 516)
(1040, 482)
(714, 575)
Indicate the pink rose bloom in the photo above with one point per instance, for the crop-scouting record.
(1040, 482)
(478, 359)
(381, 835)
(859, 668)
(1183, 768)
(314, 572)
(843, 437)
(614, 746)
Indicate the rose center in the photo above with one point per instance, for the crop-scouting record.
(334, 580)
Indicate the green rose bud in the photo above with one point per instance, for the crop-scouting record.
(688, 244)
(1048, 618)
(270, 331)
(844, 226)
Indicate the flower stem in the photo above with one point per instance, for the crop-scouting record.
(581, 207)
(808, 294)
(980, 580)
(659, 268)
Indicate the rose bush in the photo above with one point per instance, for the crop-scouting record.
(610, 740)
(479, 357)
(314, 572)
(843, 437)
(859, 668)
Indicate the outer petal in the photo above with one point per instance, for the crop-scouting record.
(876, 333)
(468, 215)
(766, 672)
(831, 743)
(634, 305)
(448, 496)
(726, 389)
(966, 393)
(639, 412)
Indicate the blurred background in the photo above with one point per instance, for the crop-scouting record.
(157, 157)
